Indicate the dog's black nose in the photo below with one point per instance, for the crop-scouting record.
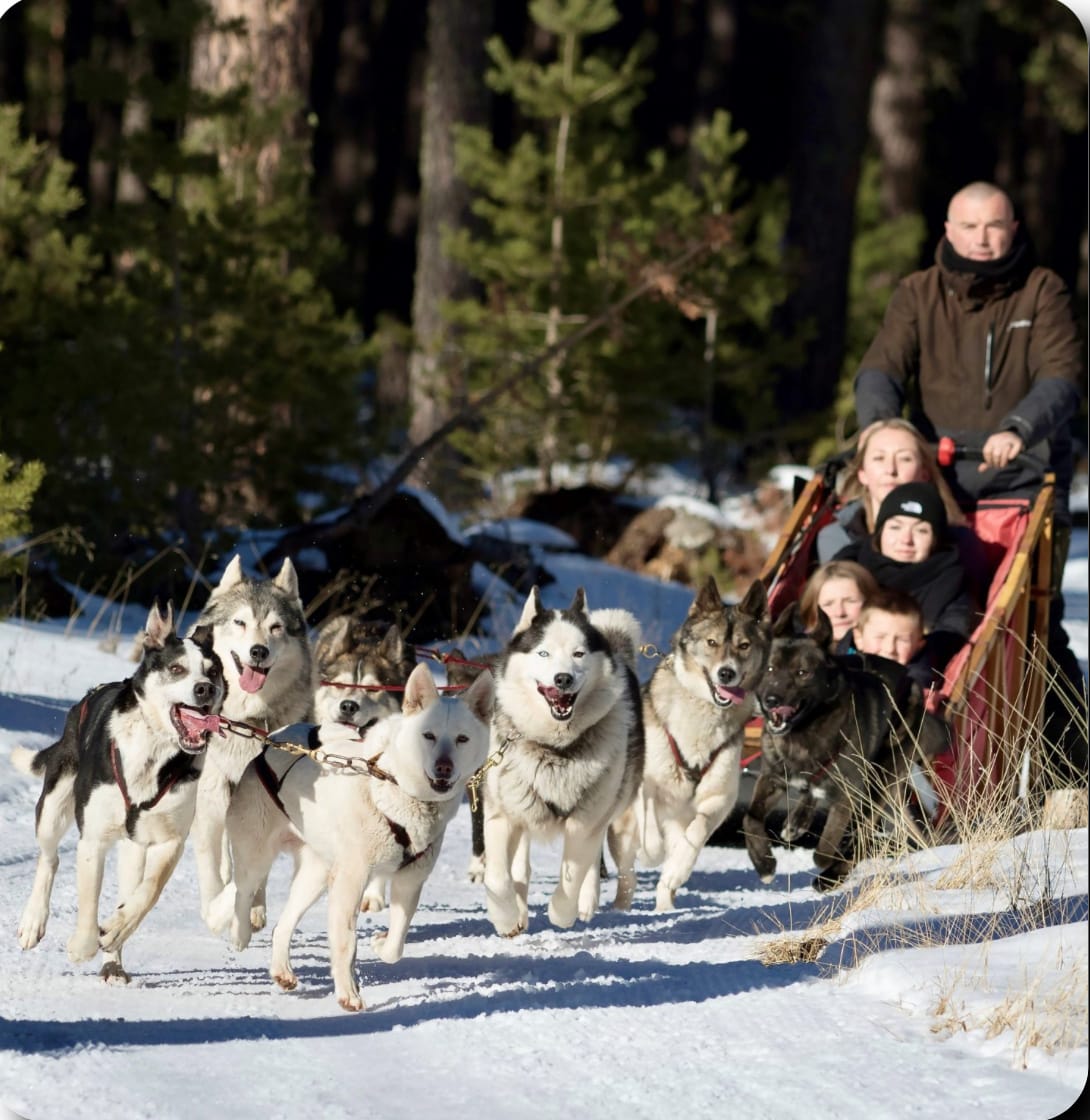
(258, 653)
(349, 708)
(726, 674)
(444, 768)
(204, 692)
(564, 681)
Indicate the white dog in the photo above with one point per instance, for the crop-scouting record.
(347, 827)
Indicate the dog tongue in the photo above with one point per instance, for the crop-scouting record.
(782, 713)
(251, 679)
(734, 695)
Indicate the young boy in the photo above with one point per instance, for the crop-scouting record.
(890, 625)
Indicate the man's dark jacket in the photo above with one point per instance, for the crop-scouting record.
(976, 348)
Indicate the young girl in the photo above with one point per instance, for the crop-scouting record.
(911, 551)
(839, 588)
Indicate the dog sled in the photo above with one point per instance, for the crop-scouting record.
(994, 687)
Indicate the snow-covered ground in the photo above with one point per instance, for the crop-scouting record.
(923, 1003)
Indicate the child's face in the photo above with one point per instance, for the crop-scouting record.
(841, 599)
(896, 636)
(908, 539)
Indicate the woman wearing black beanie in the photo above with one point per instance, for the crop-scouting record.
(911, 551)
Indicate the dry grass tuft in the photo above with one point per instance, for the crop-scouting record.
(1015, 888)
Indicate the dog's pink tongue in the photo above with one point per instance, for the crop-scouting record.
(734, 695)
(251, 679)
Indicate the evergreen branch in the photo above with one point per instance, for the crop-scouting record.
(656, 278)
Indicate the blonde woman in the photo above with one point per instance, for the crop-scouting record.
(890, 453)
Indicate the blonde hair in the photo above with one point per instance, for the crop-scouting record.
(852, 488)
(835, 569)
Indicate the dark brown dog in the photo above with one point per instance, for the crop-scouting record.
(836, 736)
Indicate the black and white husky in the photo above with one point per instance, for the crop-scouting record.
(125, 769)
(568, 732)
(695, 709)
(259, 631)
(345, 828)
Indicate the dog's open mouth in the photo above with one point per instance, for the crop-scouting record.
(725, 697)
(560, 703)
(194, 727)
(251, 678)
(779, 719)
(441, 785)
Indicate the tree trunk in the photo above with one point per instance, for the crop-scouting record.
(273, 55)
(454, 93)
(839, 61)
(897, 110)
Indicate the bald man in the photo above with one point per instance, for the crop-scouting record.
(985, 347)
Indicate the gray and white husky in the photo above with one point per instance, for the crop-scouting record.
(568, 730)
(259, 632)
(360, 676)
(695, 709)
(346, 828)
(125, 769)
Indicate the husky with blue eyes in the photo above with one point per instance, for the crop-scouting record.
(567, 755)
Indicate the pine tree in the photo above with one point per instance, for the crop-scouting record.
(199, 374)
(570, 218)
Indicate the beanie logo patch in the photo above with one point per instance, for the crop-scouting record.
(913, 507)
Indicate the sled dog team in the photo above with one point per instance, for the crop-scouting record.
(557, 739)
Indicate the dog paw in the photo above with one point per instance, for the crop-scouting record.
(285, 978)
(664, 900)
(386, 950)
(372, 904)
(82, 946)
(351, 1001)
(561, 913)
(258, 918)
(475, 870)
(31, 929)
(112, 973)
(221, 910)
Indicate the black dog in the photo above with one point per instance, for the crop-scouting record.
(835, 734)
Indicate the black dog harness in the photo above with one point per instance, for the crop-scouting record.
(273, 784)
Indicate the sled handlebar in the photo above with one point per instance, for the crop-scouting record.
(948, 451)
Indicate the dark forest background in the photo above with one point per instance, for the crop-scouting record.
(250, 247)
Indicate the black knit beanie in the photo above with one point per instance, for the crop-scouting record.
(913, 499)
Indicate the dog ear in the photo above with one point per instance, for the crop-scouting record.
(707, 598)
(786, 626)
(333, 639)
(420, 690)
(232, 574)
(530, 610)
(392, 645)
(286, 579)
(822, 633)
(478, 697)
(755, 601)
(159, 626)
(579, 602)
(204, 636)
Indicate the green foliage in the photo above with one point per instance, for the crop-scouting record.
(176, 363)
(17, 488)
(569, 220)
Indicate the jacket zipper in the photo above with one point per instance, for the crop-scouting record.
(988, 367)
